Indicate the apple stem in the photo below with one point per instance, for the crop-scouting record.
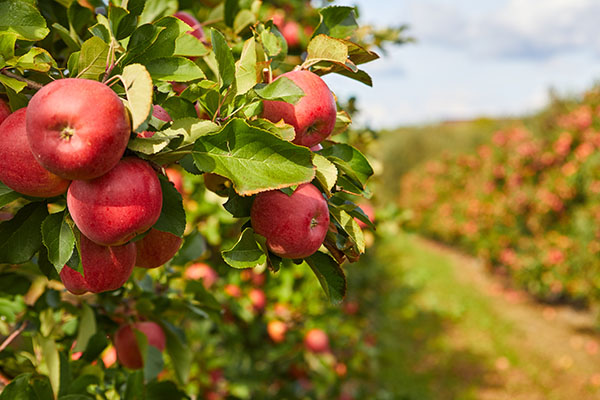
(30, 84)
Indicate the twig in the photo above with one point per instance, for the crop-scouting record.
(30, 84)
(12, 336)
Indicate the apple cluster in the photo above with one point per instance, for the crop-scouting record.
(72, 138)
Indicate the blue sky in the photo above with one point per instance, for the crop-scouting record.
(475, 58)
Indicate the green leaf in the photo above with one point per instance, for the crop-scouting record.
(18, 389)
(179, 352)
(51, 359)
(194, 247)
(348, 224)
(172, 216)
(253, 159)
(36, 59)
(280, 129)
(273, 43)
(7, 195)
(96, 345)
(22, 18)
(92, 58)
(139, 91)
(59, 239)
(71, 41)
(153, 363)
(327, 49)
(326, 173)
(282, 89)
(150, 145)
(342, 122)
(190, 46)
(238, 206)
(350, 161)
(246, 76)
(338, 22)
(224, 58)
(135, 386)
(9, 308)
(232, 7)
(164, 45)
(330, 276)
(154, 9)
(7, 46)
(164, 390)
(246, 253)
(142, 38)
(191, 129)
(360, 75)
(179, 108)
(244, 19)
(178, 69)
(87, 328)
(20, 237)
(12, 83)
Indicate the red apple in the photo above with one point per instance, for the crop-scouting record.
(294, 226)
(317, 147)
(233, 290)
(77, 128)
(104, 268)
(258, 299)
(4, 110)
(369, 211)
(19, 169)
(313, 117)
(156, 248)
(202, 271)
(128, 350)
(291, 33)
(276, 330)
(316, 341)
(115, 207)
(189, 19)
(175, 176)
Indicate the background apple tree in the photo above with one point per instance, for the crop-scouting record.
(234, 314)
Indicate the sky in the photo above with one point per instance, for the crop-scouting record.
(474, 58)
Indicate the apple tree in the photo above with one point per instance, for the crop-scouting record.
(134, 135)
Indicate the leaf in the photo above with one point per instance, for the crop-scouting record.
(194, 247)
(238, 206)
(253, 159)
(178, 69)
(282, 89)
(342, 122)
(20, 237)
(280, 129)
(190, 129)
(150, 145)
(153, 363)
(51, 360)
(59, 239)
(274, 44)
(164, 390)
(135, 386)
(190, 46)
(348, 224)
(96, 345)
(154, 9)
(330, 276)
(139, 90)
(338, 22)
(179, 108)
(36, 59)
(22, 18)
(87, 328)
(172, 215)
(224, 58)
(244, 19)
(246, 253)
(245, 70)
(179, 352)
(7, 46)
(7, 195)
(232, 7)
(326, 173)
(12, 83)
(92, 58)
(324, 48)
(9, 308)
(142, 38)
(164, 45)
(18, 389)
(350, 161)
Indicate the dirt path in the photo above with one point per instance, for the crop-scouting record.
(558, 337)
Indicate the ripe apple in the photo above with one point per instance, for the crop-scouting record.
(233, 290)
(369, 211)
(4, 110)
(115, 207)
(128, 350)
(316, 341)
(156, 248)
(104, 268)
(19, 169)
(313, 117)
(202, 271)
(291, 33)
(258, 299)
(77, 128)
(175, 176)
(294, 226)
(191, 21)
(276, 330)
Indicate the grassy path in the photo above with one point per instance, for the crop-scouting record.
(447, 330)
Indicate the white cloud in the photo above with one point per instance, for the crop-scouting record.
(517, 28)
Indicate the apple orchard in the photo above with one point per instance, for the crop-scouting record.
(175, 178)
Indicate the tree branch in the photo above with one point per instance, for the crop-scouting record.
(12, 336)
(30, 84)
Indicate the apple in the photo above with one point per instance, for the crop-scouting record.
(369, 211)
(175, 176)
(313, 117)
(291, 33)
(258, 299)
(109, 356)
(276, 330)
(19, 169)
(156, 248)
(115, 207)
(126, 344)
(294, 226)
(191, 21)
(159, 113)
(4, 110)
(77, 128)
(202, 271)
(233, 290)
(350, 307)
(316, 341)
(317, 147)
(104, 268)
